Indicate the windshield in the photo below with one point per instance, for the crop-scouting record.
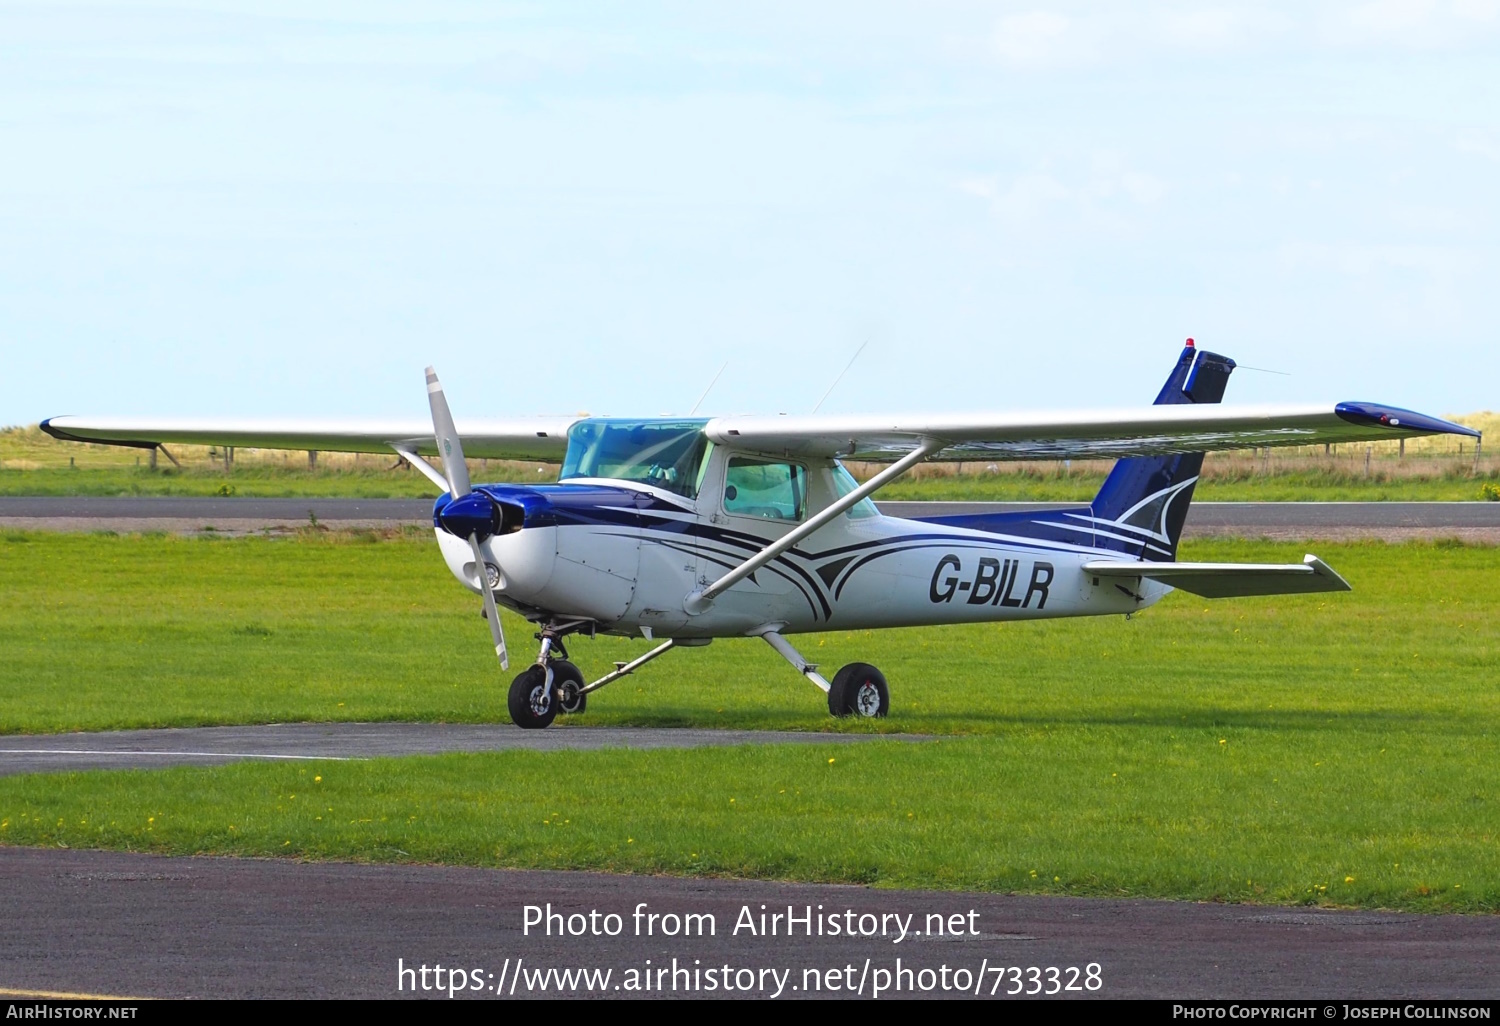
(668, 454)
(845, 483)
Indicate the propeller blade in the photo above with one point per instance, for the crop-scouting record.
(491, 611)
(446, 434)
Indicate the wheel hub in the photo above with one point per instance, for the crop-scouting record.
(867, 699)
(541, 700)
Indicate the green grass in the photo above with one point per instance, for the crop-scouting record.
(1259, 750)
(101, 631)
(1323, 815)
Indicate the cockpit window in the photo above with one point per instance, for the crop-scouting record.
(668, 454)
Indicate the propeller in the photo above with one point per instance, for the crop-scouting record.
(460, 491)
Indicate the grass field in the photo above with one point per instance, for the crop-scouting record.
(101, 631)
(1335, 749)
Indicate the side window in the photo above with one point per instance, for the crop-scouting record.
(762, 488)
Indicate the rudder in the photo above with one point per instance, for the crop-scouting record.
(1147, 497)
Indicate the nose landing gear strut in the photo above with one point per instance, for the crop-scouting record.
(550, 685)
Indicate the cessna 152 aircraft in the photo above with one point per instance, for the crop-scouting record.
(692, 529)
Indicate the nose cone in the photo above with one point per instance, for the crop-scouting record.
(472, 514)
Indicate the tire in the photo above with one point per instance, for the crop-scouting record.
(533, 705)
(568, 682)
(859, 690)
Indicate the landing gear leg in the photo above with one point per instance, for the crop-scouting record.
(786, 651)
(539, 691)
(626, 669)
(857, 690)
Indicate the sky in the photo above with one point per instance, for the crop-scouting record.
(290, 209)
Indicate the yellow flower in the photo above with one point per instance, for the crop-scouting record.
(830, 762)
(1348, 879)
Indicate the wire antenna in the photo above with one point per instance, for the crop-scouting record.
(709, 389)
(836, 380)
(1262, 370)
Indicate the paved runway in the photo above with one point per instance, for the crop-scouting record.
(140, 925)
(211, 746)
(1477, 521)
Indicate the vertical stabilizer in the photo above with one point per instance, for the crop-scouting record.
(1146, 498)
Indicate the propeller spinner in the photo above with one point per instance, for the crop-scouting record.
(468, 513)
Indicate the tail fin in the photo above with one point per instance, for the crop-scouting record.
(1147, 497)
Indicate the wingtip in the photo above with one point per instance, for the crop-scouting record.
(1364, 413)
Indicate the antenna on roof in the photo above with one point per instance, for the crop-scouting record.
(841, 375)
(709, 389)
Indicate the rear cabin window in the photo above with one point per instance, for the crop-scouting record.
(765, 488)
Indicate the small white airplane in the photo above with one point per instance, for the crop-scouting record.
(692, 529)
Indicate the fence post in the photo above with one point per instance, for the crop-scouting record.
(1368, 450)
(312, 459)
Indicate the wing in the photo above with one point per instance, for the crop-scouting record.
(1230, 580)
(544, 439)
(1087, 434)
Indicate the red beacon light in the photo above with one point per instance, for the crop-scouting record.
(1190, 343)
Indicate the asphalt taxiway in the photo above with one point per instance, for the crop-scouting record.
(107, 923)
(212, 746)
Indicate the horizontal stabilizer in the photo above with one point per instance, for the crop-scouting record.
(1229, 580)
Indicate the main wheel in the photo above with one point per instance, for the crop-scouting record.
(533, 703)
(859, 690)
(567, 682)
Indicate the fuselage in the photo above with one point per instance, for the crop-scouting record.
(624, 556)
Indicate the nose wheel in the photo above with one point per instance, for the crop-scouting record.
(549, 686)
(533, 698)
(859, 690)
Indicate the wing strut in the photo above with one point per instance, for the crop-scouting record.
(427, 469)
(700, 600)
